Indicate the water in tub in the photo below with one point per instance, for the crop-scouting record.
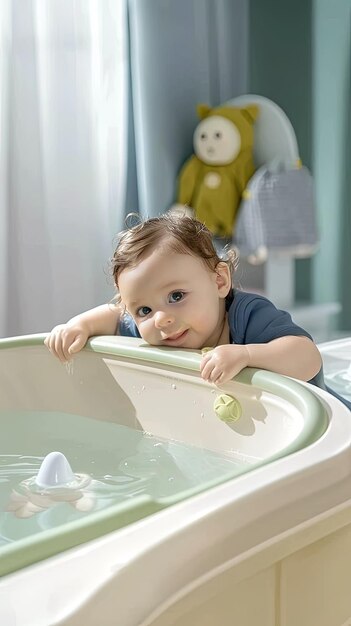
(110, 464)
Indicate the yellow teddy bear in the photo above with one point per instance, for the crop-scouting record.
(212, 181)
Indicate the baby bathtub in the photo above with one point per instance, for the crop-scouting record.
(266, 538)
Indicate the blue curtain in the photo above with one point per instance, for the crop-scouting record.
(181, 53)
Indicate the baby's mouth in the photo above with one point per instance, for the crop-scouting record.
(176, 337)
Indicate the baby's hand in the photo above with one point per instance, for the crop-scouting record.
(224, 362)
(66, 339)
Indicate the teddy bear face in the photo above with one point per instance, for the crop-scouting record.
(217, 140)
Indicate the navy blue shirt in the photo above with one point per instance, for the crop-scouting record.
(252, 319)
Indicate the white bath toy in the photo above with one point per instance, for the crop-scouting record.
(55, 471)
(55, 483)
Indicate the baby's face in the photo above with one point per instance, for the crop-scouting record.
(175, 299)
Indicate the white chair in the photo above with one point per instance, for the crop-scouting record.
(274, 142)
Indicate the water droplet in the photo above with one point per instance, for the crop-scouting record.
(157, 445)
(202, 414)
(194, 401)
(171, 479)
(69, 367)
(174, 386)
(143, 388)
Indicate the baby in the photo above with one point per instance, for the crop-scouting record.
(175, 291)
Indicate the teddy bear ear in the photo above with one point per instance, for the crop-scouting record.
(251, 112)
(203, 110)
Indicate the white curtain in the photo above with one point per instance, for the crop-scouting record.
(63, 144)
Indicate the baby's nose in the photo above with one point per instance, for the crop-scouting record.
(163, 319)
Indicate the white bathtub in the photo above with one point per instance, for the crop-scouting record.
(268, 546)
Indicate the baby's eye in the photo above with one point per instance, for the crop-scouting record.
(218, 135)
(143, 311)
(176, 296)
(203, 136)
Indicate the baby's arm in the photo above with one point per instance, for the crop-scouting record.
(67, 339)
(297, 357)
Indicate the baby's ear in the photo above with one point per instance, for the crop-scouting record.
(223, 279)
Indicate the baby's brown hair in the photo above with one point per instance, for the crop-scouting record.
(176, 233)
